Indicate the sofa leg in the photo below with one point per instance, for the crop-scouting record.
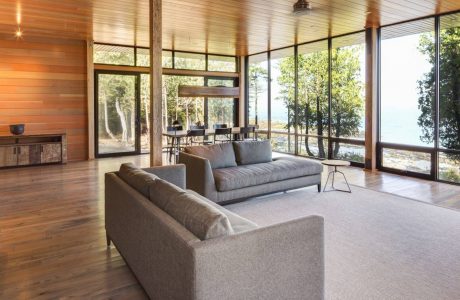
(319, 187)
(107, 240)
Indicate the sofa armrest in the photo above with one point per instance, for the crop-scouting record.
(174, 174)
(199, 175)
(156, 247)
(282, 261)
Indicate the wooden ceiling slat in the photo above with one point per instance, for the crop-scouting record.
(234, 27)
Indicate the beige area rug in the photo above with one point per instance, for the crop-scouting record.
(377, 245)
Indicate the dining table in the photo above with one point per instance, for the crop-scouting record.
(177, 135)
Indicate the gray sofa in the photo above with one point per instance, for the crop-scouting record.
(234, 171)
(182, 246)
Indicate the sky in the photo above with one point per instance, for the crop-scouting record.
(402, 64)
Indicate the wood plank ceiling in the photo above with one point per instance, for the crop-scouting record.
(227, 27)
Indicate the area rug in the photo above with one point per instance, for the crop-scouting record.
(377, 245)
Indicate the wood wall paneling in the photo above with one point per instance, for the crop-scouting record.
(43, 84)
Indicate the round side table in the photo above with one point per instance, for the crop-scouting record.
(336, 163)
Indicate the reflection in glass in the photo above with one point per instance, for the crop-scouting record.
(407, 83)
(258, 87)
(418, 162)
(282, 99)
(117, 113)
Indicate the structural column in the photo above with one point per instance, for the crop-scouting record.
(155, 82)
(371, 107)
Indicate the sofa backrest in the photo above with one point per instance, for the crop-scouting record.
(252, 152)
(219, 155)
(199, 217)
(136, 178)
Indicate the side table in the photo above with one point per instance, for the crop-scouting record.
(336, 163)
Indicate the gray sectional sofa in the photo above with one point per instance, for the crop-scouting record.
(183, 246)
(233, 171)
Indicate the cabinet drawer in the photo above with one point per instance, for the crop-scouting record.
(8, 156)
(51, 153)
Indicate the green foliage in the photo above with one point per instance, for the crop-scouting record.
(449, 88)
(116, 90)
(347, 94)
(185, 110)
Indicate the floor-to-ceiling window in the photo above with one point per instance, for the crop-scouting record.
(257, 78)
(449, 98)
(420, 102)
(313, 99)
(123, 95)
(347, 95)
(282, 102)
(404, 65)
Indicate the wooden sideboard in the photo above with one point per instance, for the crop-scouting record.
(32, 149)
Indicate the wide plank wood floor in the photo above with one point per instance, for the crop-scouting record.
(52, 238)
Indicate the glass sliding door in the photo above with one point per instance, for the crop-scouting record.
(117, 113)
(144, 113)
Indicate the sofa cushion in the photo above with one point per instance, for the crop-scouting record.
(136, 178)
(219, 155)
(250, 175)
(239, 224)
(252, 152)
(200, 218)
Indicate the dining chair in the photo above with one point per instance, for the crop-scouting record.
(248, 134)
(218, 126)
(222, 135)
(196, 127)
(170, 142)
(196, 137)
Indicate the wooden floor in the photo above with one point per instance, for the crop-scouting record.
(52, 239)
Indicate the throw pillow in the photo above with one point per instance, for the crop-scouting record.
(253, 152)
(219, 155)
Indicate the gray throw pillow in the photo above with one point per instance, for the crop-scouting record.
(253, 152)
(200, 218)
(219, 155)
(136, 178)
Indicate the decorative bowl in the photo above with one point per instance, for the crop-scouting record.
(17, 129)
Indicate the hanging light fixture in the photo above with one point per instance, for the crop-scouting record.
(302, 7)
(18, 32)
